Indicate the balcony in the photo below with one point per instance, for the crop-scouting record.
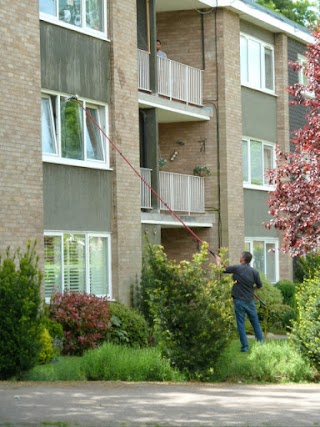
(182, 193)
(176, 81)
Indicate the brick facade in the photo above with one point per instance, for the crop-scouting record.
(21, 194)
(126, 229)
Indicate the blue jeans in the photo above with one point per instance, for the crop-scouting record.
(241, 308)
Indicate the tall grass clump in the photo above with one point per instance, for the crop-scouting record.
(111, 362)
(63, 369)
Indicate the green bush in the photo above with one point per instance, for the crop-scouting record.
(191, 309)
(307, 267)
(20, 321)
(85, 320)
(280, 317)
(278, 362)
(128, 326)
(272, 298)
(305, 333)
(47, 350)
(287, 289)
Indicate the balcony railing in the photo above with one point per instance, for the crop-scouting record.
(182, 193)
(175, 80)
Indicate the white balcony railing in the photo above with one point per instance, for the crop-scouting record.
(145, 191)
(175, 80)
(182, 193)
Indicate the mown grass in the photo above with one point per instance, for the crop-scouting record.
(110, 362)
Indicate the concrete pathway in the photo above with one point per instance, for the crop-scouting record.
(115, 404)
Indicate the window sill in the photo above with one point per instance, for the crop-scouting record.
(265, 91)
(77, 163)
(86, 31)
(258, 187)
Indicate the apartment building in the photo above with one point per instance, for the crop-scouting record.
(217, 102)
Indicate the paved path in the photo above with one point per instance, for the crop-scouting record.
(120, 404)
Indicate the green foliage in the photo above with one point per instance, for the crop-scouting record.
(287, 289)
(20, 322)
(301, 11)
(305, 333)
(110, 362)
(47, 351)
(190, 306)
(307, 267)
(278, 362)
(273, 362)
(85, 320)
(280, 317)
(128, 326)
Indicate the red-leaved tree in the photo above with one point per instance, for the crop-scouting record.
(295, 202)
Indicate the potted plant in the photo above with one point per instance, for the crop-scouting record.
(201, 170)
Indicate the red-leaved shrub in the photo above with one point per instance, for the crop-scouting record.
(85, 320)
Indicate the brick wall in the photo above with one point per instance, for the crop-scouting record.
(126, 228)
(21, 206)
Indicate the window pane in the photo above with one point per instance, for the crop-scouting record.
(52, 265)
(74, 262)
(244, 59)
(93, 136)
(245, 161)
(271, 262)
(254, 54)
(98, 252)
(48, 6)
(268, 63)
(258, 256)
(71, 130)
(70, 11)
(94, 14)
(268, 160)
(256, 163)
(48, 138)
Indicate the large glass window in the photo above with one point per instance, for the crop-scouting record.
(88, 15)
(70, 135)
(77, 262)
(265, 256)
(257, 63)
(257, 158)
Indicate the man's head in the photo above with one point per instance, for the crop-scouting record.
(245, 258)
(158, 45)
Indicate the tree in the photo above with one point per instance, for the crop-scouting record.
(295, 202)
(304, 12)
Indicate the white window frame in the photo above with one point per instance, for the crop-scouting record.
(104, 124)
(248, 184)
(266, 240)
(54, 19)
(302, 78)
(87, 236)
(245, 80)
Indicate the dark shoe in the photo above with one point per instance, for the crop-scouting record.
(244, 350)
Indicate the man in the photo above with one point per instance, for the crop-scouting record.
(159, 51)
(245, 278)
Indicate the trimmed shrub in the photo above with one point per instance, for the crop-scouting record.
(47, 351)
(20, 321)
(128, 326)
(307, 267)
(305, 333)
(287, 289)
(271, 296)
(85, 320)
(191, 309)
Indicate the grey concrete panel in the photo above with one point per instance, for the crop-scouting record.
(259, 115)
(77, 198)
(257, 32)
(255, 213)
(74, 63)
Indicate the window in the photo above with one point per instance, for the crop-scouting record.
(257, 63)
(265, 256)
(70, 136)
(257, 158)
(77, 262)
(302, 78)
(83, 15)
